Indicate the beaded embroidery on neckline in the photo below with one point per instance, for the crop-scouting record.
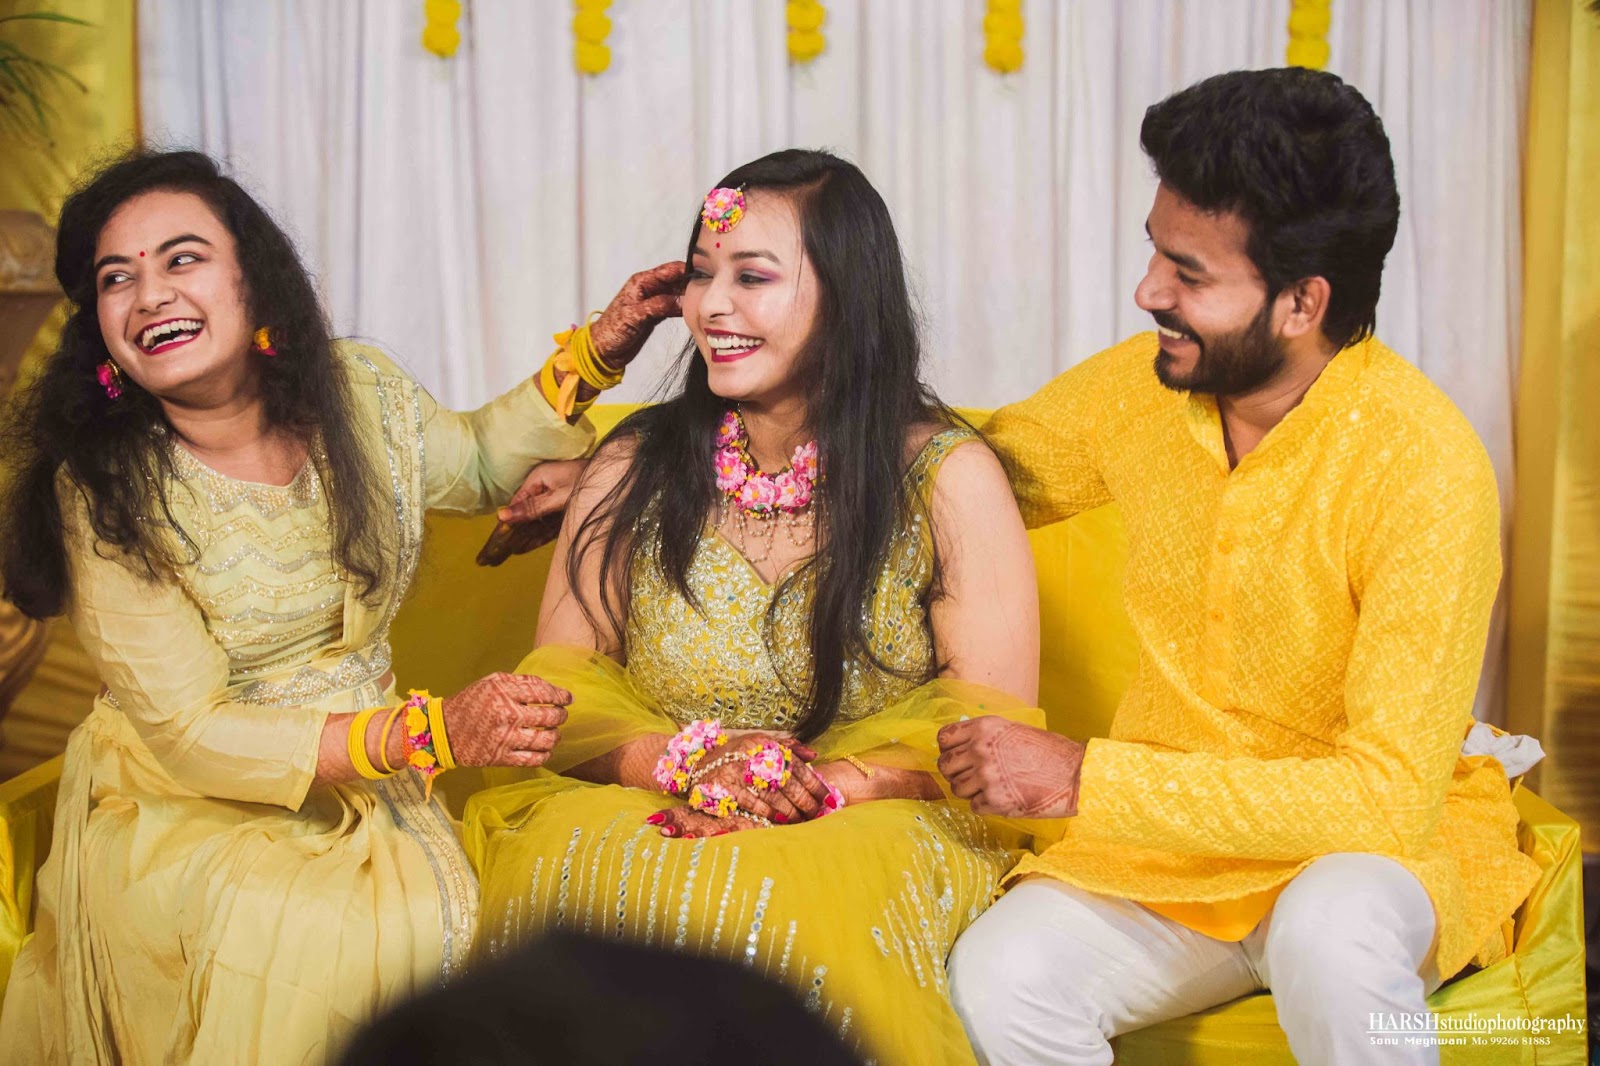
(223, 493)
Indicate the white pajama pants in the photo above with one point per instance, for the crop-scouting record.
(1051, 973)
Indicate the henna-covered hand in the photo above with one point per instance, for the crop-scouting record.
(533, 516)
(633, 314)
(505, 720)
(800, 800)
(686, 823)
(1009, 769)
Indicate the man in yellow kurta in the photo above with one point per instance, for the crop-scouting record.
(1283, 801)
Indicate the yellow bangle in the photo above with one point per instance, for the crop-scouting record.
(591, 368)
(356, 745)
(441, 743)
(383, 739)
(562, 396)
(866, 771)
(578, 360)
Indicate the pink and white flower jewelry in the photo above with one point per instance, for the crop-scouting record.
(768, 767)
(723, 208)
(757, 493)
(684, 752)
(713, 799)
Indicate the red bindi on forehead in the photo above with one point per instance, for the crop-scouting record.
(141, 255)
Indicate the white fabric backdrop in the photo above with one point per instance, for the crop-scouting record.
(460, 211)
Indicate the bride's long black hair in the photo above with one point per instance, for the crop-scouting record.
(862, 367)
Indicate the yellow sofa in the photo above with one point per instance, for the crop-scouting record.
(463, 621)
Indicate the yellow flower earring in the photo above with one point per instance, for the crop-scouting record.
(263, 342)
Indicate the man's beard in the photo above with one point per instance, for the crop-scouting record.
(1226, 366)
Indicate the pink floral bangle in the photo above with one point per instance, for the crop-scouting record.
(684, 752)
(421, 748)
(769, 767)
(713, 799)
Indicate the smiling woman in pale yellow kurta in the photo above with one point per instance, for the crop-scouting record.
(223, 887)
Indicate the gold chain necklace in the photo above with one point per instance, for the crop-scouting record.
(801, 533)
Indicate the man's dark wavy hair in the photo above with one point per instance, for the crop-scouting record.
(1303, 159)
(112, 452)
(862, 371)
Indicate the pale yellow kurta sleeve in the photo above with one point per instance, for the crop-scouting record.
(475, 461)
(148, 640)
(1424, 583)
(1050, 443)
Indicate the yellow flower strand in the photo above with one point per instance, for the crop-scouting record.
(439, 33)
(590, 28)
(1308, 33)
(1003, 28)
(806, 41)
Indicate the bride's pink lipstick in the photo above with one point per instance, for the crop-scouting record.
(731, 355)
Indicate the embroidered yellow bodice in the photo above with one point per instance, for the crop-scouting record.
(717, 662)
(260, 565)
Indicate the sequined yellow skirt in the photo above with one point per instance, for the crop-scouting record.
(857, 910)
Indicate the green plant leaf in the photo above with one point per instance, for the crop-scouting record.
(12, 73)
(25, 79)
(60, 72)
(44, 16)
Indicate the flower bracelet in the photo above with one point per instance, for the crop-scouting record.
(684, 752)
(427, 747)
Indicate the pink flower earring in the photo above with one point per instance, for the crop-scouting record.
(109, 374)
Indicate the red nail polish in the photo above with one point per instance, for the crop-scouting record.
(778, 817)
(669, 831)
(688, 836)
(656, 818)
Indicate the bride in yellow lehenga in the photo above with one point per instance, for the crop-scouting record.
(845, 627)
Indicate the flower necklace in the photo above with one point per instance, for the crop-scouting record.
(762, 496)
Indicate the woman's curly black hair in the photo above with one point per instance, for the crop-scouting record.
(111, 451)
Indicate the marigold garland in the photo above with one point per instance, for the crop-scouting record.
(1308, 33)
(806, 41)
(590, 28)
(439, 33)
(1003, 27)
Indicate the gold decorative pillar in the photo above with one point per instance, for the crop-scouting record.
(27, 287)
(27, 293)
(89, 117)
